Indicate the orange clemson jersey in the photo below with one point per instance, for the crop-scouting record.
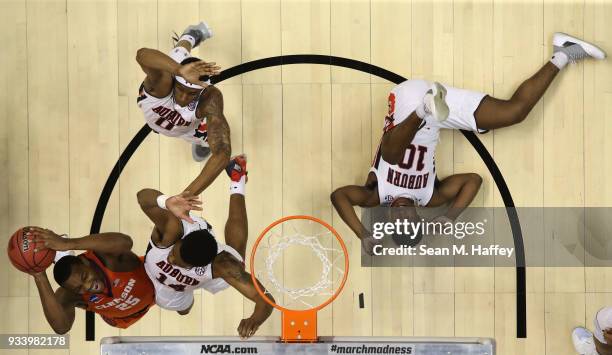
(128, 295)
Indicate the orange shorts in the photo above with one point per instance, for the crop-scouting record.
(125, 322)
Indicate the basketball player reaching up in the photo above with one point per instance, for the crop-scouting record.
(184, 256)
(108, 279)
(403, 172)
(177, 102)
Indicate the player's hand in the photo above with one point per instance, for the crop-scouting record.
(181, 204)
(248, 327)
(45, 238)
(368, 243)
(193, 71)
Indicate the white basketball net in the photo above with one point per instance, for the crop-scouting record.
(277, 244)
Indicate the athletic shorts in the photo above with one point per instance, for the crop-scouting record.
(125, 322)
(461, 103)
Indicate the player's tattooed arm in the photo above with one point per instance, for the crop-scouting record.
(232, 271)
(218, 140)
(168, 226)
(58, 306)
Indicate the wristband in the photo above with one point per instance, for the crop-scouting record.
(161, 201)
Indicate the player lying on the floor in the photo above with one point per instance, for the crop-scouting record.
(403, 172)
(176, 102)
(108, 279)
(183, 256)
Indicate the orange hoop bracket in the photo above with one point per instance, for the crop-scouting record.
(299, 325)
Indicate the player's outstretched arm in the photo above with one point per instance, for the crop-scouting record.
(218, 140)
(58, 306)
(345, 198)
(232, 271)
(459, 190)
(165, 219)
(104, 243)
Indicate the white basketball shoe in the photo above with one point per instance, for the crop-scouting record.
(199, 153)
(576, 49)
(435, 102)
(199, 32)
(583, 341)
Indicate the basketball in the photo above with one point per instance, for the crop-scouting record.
(23, 256)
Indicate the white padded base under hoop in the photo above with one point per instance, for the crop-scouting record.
(271, 345)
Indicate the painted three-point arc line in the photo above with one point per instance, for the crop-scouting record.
(521, 303)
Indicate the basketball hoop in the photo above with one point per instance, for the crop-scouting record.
(283, 240)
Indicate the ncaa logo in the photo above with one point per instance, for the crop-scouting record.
(200, 270)
(388, 198)
(94, 298)
(192, 105)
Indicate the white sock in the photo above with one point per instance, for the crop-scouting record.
(189, 39)
(559, 59)
(420, 111)
(238, 187)
(179, 53)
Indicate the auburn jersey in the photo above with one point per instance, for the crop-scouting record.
(169, 119)
(172, 282)
(414, 176)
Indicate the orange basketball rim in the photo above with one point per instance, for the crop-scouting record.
(299, 325)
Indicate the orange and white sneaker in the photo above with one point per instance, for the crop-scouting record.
(237, 169)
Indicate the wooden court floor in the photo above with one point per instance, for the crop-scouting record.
(68, 108)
